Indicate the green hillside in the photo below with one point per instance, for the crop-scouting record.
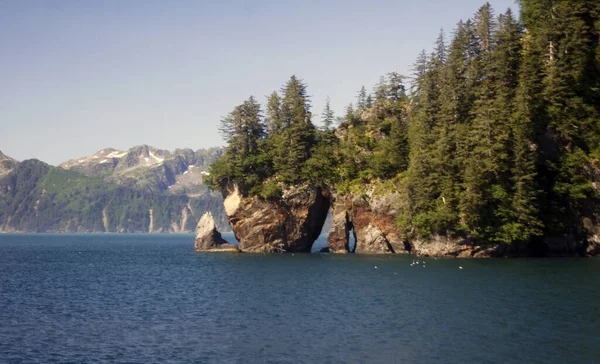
(37, 197)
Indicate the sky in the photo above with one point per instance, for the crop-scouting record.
(80, 76)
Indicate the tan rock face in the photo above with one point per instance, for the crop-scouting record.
(208, 238)
(291, 224)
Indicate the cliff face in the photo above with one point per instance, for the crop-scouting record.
(371, 219)
(291, 224)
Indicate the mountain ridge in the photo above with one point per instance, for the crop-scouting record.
(130, 194)
(6, 164)
(149, 167)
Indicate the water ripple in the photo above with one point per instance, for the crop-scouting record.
(151, 299)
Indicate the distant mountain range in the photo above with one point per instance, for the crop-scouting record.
(143, 189)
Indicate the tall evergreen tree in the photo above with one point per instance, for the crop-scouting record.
(297, 135)
(422, 187)
(274, 119)
(361, 99)
(244, 161)
(477, 207)
(328, 115)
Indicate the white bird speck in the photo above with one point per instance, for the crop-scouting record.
(375, 267)
(460, 267)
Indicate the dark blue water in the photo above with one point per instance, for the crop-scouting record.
(151, 299)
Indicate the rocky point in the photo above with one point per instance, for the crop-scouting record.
(290, 224)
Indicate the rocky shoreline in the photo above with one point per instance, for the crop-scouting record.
(293, 222)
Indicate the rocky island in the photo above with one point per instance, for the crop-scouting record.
(494, 151)
(269, 227)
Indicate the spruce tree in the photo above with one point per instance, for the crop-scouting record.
(244, 161)
(274, 120)
(418, 217)
(476, 200)
(361, 99)
(328, 115)
(297, 135)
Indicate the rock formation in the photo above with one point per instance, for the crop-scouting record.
(293, 222)
(208, 238)
(290, 224)
(371, 218)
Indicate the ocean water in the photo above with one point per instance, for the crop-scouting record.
(152, 299)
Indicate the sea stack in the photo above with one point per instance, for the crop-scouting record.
(208, 238)
(289, 224)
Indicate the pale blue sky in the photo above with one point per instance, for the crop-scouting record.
(79, 76)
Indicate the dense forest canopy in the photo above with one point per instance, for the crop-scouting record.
(496, 137)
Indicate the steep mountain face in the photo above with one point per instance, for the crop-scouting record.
(7, 164)
(148, 168)
(141, 190)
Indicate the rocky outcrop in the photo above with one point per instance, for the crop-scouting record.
(371, 219)
(208, 238)
(338, 239)
(290, 224)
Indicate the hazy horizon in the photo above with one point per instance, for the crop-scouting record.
(82, 76)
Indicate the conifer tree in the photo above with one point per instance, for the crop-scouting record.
(244, 161)
(274, 120)
(476, 200)
(449, 148)
(297, 134)
(361, 99)
(369, 102)
(418, 218)
(380, 90)
(328, 115)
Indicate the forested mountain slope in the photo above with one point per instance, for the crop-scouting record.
(35, 196)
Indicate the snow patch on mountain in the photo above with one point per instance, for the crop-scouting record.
(158, 160)
(117, 154)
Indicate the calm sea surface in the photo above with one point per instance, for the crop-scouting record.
(152, 299)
